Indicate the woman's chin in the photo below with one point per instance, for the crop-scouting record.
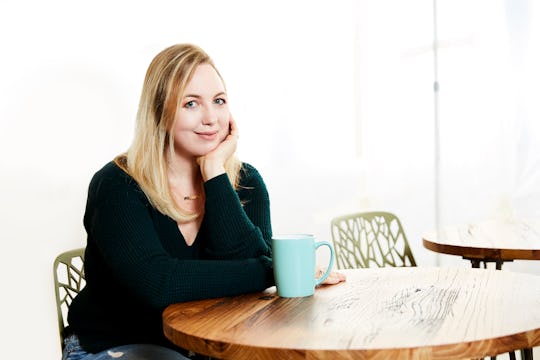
(207, 149)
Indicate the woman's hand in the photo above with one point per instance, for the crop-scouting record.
(213, 163)
(333, 278)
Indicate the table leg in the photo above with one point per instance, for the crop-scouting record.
(527, 354)
(498, 264)
(511, 354)
(475, 263)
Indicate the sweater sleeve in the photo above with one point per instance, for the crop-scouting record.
(240, 220)
(118, 221)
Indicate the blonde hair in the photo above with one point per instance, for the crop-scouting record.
(164, 85)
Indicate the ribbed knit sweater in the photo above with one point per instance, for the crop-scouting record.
(137, 261)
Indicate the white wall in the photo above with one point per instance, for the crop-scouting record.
(489, 112)
(71, 73)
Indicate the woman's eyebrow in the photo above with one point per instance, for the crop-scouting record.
(221, 93)
(192, 96)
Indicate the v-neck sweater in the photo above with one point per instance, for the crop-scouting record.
(137, 261)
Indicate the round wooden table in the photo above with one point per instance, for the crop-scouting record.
(387, 313)
(492, 240)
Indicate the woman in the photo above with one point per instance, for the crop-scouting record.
(176, 218)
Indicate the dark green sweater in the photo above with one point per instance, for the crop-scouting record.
(137, 261)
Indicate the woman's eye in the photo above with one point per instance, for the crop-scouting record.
(190, 104)
(220, 101)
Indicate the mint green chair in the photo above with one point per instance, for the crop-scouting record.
(69, 279)
(370, 239)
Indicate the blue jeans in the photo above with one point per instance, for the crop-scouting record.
(73, 351)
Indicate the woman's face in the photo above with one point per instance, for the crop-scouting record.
(202, 118)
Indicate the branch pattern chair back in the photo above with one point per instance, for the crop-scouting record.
(370, 239)
(69, 279)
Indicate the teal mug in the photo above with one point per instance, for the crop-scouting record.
(293, 257)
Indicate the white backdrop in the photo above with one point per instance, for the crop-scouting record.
(334, 102)
(71, 73)
(489, 112)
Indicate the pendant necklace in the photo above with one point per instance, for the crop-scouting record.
(191, 197)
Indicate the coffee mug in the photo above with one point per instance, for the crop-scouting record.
(293, 257)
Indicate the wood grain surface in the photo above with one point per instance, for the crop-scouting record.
(506, 240)
(384, 313)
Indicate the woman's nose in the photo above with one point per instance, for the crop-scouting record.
(210, 116)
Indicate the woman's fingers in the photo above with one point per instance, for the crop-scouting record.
(334, 278)
(233, 128)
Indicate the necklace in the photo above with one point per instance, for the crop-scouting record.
(191, 197)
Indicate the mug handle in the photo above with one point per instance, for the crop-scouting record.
(330, 265)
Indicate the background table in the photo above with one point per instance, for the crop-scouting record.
(405, 313)
(489, 241)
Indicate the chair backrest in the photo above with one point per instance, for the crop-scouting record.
(370, 239)
(69, 279)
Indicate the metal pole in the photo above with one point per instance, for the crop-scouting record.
(437, 140)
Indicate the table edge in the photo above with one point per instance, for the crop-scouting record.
(482, 252)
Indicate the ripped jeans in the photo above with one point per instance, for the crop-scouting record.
(74, 351)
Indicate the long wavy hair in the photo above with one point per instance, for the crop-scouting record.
(164, 85)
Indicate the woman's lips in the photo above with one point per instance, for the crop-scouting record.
(207, 135)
